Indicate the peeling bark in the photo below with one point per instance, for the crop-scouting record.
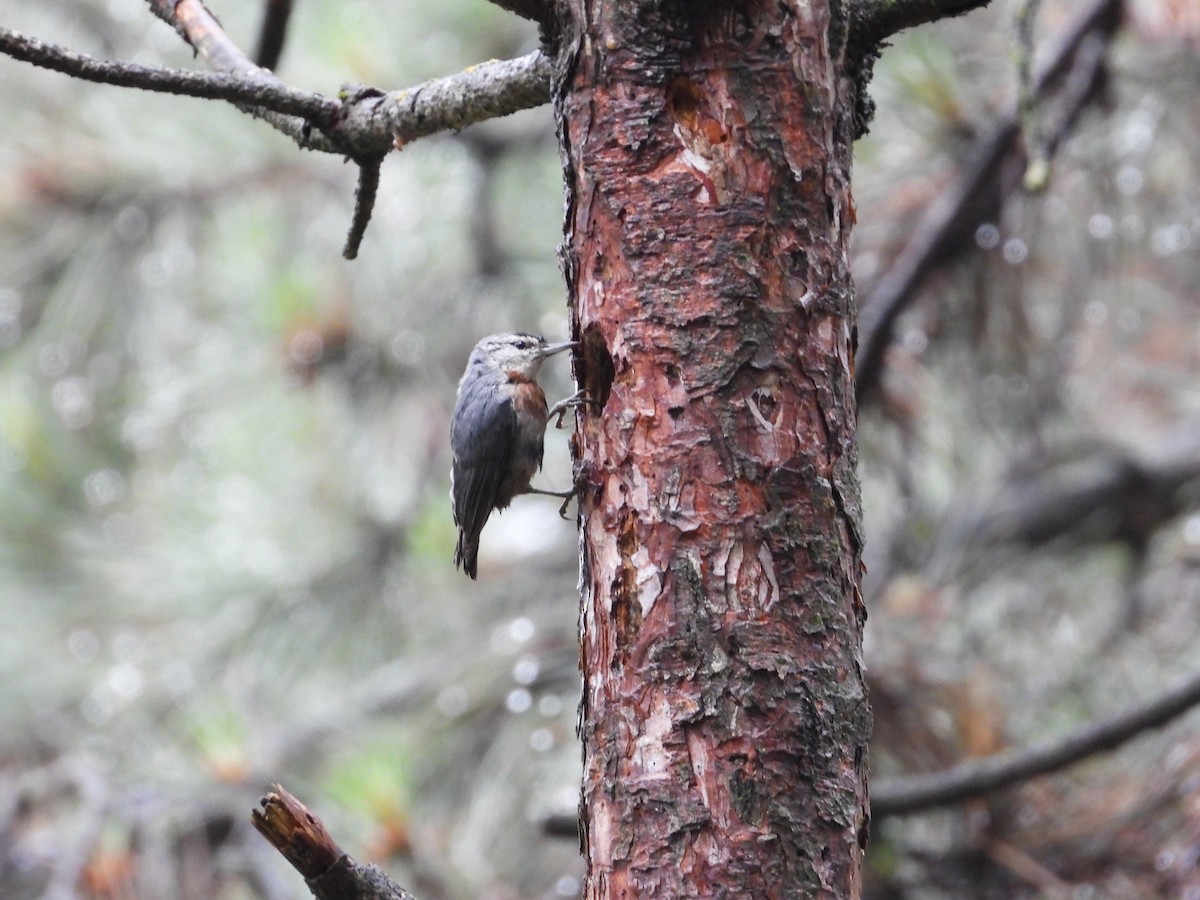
(724, 718)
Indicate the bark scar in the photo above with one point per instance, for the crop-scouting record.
(698, 757)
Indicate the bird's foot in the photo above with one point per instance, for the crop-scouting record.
(576, 400)
(566, 494)
(567, 497)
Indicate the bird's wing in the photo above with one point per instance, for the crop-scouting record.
(482, 434)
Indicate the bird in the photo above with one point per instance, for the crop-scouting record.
(497, 433)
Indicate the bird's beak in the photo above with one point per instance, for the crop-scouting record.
(551, 349)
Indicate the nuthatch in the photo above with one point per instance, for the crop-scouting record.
(496, 433)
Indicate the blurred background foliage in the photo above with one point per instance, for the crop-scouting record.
(225, 539)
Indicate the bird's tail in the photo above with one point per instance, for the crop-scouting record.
(466, 554)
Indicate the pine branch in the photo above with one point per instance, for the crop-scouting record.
(277, 97)
(873, 21)
(949, 221)
(372, 122)
(540, 11)
(303, 841)
(196, 25)
(902, 796)
(364, 123)
(485, 91)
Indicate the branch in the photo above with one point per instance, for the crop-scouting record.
(950, 220)
(1112, 495)
(368, 123)
(1026, 101)
(364, 204)
(902, 796)
(195, 24)
(372, 123)
(303, 841)
(540, 11)
(873, 21)
(208, 85)
(272, 33)
(486, 91)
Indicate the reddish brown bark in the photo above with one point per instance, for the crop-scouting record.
(707, 155)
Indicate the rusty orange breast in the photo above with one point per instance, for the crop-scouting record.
(529, 400)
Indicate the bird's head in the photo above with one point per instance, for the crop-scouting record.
(517, 353)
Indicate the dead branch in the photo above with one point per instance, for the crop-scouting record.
(873, 21)
(272, 33)
(916, 793)
(1109, 495)
(486, 91)
(364, 203)
(303, 841)
(950, 220)
(540, 11)
(195, 24)
(274, 96)
(1026, 101)
(372, 122)
(363, 123)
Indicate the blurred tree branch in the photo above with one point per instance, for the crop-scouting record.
(303, 841)
(273, 32)
(268, 95)
(873, 21)
(540, 11)
(1113, 495)
(363, 124)
(195, 24)
(902, 796)
(367, 124)
(364, 203)
(372, 121)
(949, 222)
(1026, 100)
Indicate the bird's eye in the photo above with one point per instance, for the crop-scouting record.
(522, 345)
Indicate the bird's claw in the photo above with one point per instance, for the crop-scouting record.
(576, 490)
(576, 400)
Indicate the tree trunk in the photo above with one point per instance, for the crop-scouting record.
(724, 719)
